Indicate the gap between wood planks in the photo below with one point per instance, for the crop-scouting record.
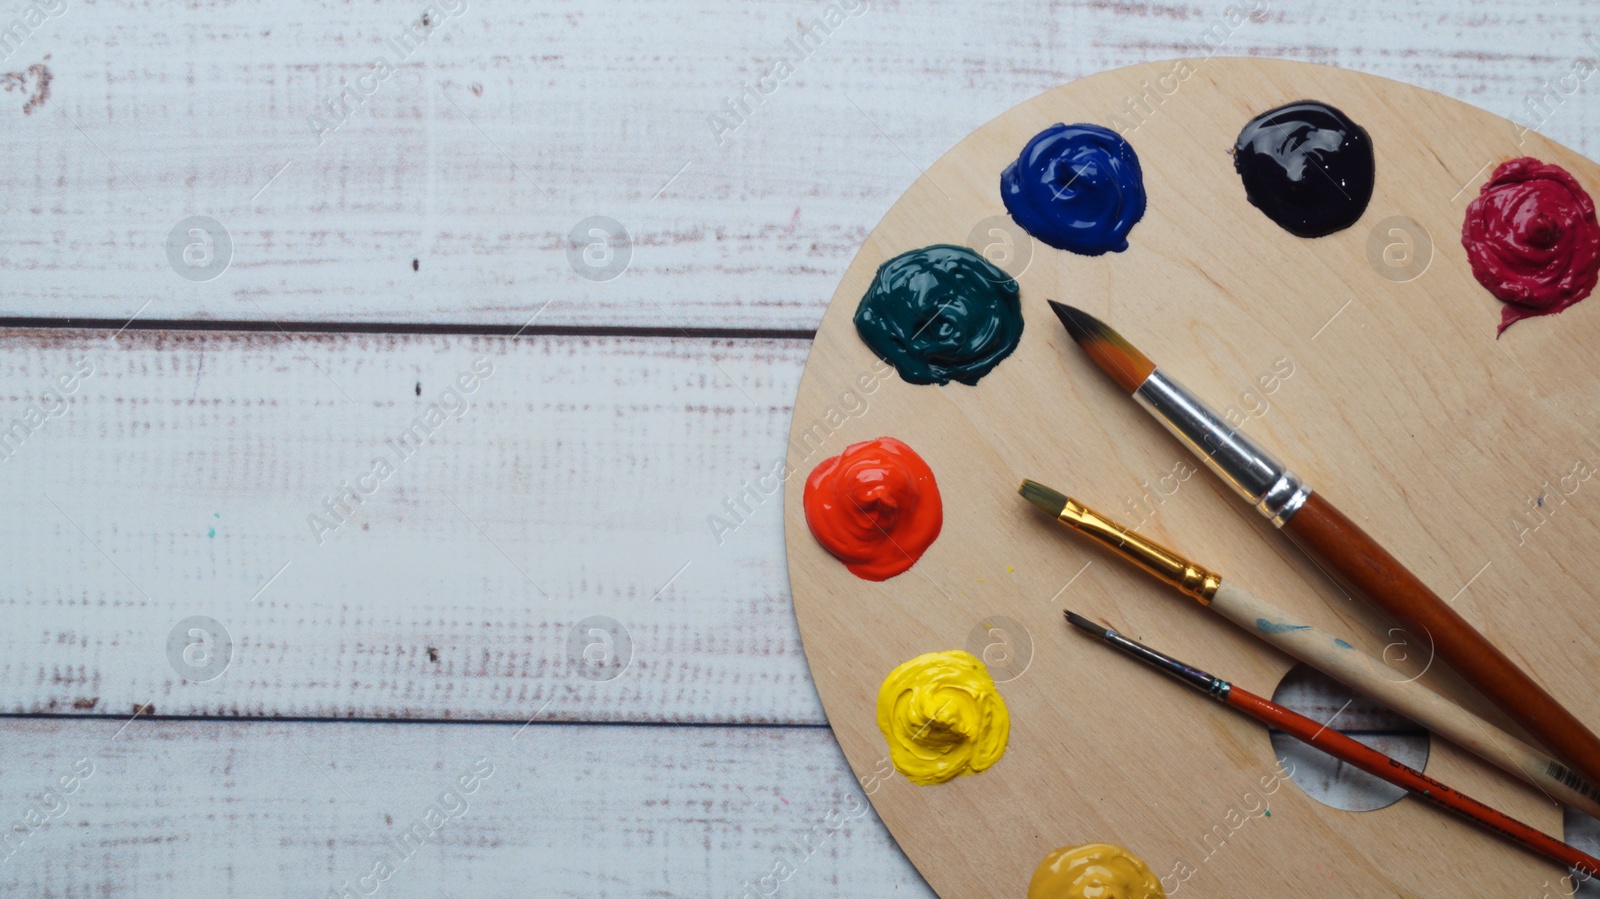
(494, 722)
(472, 722)
(488, 330)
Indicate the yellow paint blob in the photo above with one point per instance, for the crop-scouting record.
(942, 717)
(1094, 871)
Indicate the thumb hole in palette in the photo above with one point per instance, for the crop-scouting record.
(1321, 776)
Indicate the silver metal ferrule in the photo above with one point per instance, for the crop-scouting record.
(1274, 490)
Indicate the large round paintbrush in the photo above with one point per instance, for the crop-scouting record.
(1324, 651)
(1334, 542)
(1347, 750)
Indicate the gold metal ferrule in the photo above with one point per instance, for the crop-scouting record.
(1169, 567)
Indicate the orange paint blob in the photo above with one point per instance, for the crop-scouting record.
(875, 507)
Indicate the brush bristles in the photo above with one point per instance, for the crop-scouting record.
(1043, 497)
(1084, 624)
(1108, 350)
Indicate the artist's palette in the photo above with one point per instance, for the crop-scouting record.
(1365, 359)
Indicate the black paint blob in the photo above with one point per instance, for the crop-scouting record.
(1307, 166)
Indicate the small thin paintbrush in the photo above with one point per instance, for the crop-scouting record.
(1334, 542)
(1345, 749)
(1324, 651)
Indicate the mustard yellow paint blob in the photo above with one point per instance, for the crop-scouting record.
(1094, 871)
(942, 717)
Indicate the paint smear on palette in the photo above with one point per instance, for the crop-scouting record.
(1532, 239)
(1076, 187)
(943, 717)
(1094, 871)
(940, 314)
(875, 507)
(1307, 166)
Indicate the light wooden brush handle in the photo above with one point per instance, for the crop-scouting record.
(1359, 671)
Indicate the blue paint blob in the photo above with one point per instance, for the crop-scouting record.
(1269, 627)
(1076, 187)
(941, 314)
(1341, 644)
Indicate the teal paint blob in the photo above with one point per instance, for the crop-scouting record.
(1341, 644)
(1268, 627)
(211, 532)
(940, 314)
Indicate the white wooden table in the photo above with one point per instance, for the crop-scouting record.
(369, 237)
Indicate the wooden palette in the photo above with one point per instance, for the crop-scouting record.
(1402, 408)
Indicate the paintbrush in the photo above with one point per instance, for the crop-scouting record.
(1346, 750)
(1324, 651)
(1334, 542)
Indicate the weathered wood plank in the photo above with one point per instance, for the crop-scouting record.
(276, 809)
(448, 192)
(247, 435)
(180, 476)
(174, 808)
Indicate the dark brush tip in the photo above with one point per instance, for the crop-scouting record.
(1109, 351)
(1084, 624)
(1049, 500)
(1078, 323)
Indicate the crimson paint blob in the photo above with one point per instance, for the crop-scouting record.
(1532, 239)
(875, 507)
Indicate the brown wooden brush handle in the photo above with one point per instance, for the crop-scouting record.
(1363, 567)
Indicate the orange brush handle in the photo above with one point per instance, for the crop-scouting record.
(1379, 765)
(1341, 547)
